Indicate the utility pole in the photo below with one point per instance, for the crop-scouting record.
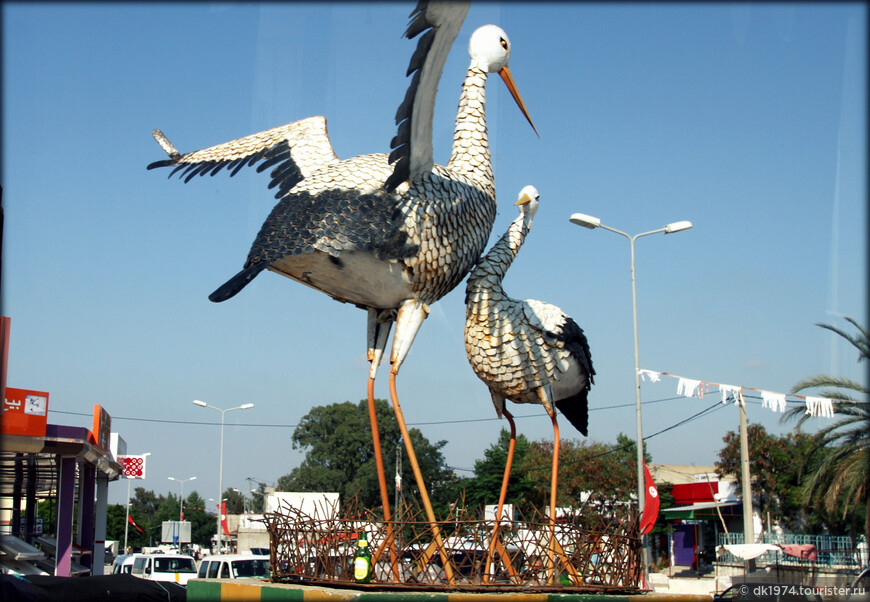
(748, 533)
(398, 496)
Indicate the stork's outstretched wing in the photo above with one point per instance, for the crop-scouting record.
(295, 150)
(412, 145)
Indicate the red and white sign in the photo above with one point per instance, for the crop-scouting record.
(134, 467)
(25, 412)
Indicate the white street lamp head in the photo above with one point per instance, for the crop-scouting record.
(587, 221)
(678, 227)
(199, 403)
(246, 406)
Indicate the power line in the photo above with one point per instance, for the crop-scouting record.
(715, 407)
(272, 425)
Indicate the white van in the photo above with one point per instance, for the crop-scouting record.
(177, 568)
(234, 566)
(124, 564)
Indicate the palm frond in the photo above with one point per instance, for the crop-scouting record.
(841, 481)
(861, 342)
(825, 380)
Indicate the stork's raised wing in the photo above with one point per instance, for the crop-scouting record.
(295, 150)
(412, 145)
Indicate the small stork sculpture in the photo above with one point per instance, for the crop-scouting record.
(525, 351)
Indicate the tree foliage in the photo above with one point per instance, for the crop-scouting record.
(838, 487)
(776, 466)
(339, 456)
(235, 501)
(148, 510)
(602, 469)
(484, 487)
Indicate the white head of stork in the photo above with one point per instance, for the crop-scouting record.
(393, 233)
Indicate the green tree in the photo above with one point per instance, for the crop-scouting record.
(258, 498)
(484, 487)
(116, 518)
(235, 501)
(339, 456)
(202, 524)
(603, 470)
(838, 486)
(776, 467)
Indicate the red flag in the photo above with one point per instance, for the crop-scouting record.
(224, 518)
(132, 522)
(650, 503)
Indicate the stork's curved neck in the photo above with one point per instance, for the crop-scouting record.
(491, 270)
(470, 156)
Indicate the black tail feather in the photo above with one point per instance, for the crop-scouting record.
(576, 410)
(236, 283)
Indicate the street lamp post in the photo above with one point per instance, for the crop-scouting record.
(182, 481)
(587, 221)
(181, 511)
(221, 468)
(127, 522)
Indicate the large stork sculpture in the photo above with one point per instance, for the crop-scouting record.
(393, 233)
(525, 351)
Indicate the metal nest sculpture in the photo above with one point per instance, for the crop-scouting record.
(596, 549)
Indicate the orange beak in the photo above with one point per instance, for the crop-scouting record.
(512, 87)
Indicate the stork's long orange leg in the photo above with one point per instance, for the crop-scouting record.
(554, 481)
(502, 494)
(378, 332)
(415, 467)
(382, 481)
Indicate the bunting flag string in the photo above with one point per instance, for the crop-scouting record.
(688, 387)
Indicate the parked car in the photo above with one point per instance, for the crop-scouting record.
(769, 592)
(859, 586)
(234, 566)
(177, 568)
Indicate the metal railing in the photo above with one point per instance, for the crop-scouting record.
(831, 550)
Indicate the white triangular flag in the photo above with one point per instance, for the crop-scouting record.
(736, 393)
(827, 407)
(654, 377)
(689, 388)
(774, 401)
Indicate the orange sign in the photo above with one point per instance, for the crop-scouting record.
(25, 412)
(102, 430)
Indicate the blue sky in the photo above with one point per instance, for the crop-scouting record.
(747, 119)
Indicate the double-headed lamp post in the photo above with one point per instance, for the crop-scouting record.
(587, 221)
(203, 404)
(182, 481)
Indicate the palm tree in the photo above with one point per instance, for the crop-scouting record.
(840, 482)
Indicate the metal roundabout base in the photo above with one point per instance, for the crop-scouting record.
(597, 551)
